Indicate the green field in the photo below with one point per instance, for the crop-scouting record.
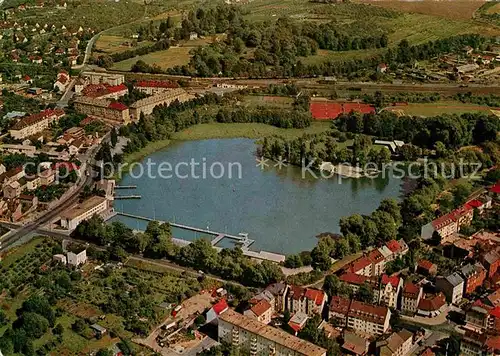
(164, 59)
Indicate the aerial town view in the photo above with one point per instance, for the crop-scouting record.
(249, 177)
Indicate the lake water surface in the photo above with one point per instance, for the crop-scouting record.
(279, 208)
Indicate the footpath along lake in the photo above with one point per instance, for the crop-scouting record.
(278, 208)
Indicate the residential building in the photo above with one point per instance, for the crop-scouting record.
(62, 81)
(368, 318)
(378, 262)
(83, 211)
(47, 176)
(448, 224)
(216, 310)
(398, 248)
(103, 78)
(337, 313)
(410, 299)
(34, 124)
(389, 290)
(474, 344)
(397, 344)
(255, 338)
(105, 91)
(28, 150)
(452, 287)
(494, 298)
(261, 311)
(103, 108)
(474, 276)
(145, 106)
(77, 257)
(432, 306)
(361, 266)
(426, 268)
(298, 321)
(354, 344)
(60, 258)
(382, 68)
(355, 281)
(279, 291)
(480, 318)
(305, 300)
(12, 190)
(491, 261)
(152, 87)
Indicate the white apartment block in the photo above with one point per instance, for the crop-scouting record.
(410, 298)
(367, 318)
(34, 124)
(93, 205)
(255, 338)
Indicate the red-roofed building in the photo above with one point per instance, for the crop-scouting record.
(479, 205)
(495, 189)
(105, 91)
(448, 224)
(36, 123)
(261, 311)
(27, 79)
(305, 300)
(339, 307)
(330, 111)
(491, 261)
(298, 321)
(427, 268)
(115, 105)
(368, 318)
(355, 281)
(378, 262)
(389, 290)
(481, 318)
(361, 266)
(479, 344)
(382, 68)
(216, 310)
(432, 306)
(152, 87)
(62, 81)
(410, 298)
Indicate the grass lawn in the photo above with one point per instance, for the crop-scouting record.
(113, 43)
(439, 108)
(266, 100)
(247, 130)
(19, 252)
(323, 55)
(164, 59)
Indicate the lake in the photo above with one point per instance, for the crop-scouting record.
(281, 208)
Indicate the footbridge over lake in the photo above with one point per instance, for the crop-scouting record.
(242, 239)
(219, 236)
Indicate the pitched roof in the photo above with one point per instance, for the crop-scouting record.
(425, 264)
(454, 279)
(393, 245)
(433, 303)
(393, 280)
(276, 289)
(315, 295)
(220, 307)
(411, 290)
(375, 256)
(359, 264)
(296, 292)
(353, 278)
(117, 106)
(261, 307)
(156, 84)
(495, 188)
(339, 305)
(368, 312)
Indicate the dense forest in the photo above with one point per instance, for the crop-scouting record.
(454, 131)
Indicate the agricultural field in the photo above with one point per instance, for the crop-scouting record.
(323, 55)
(438, 108)
(495, 9)
(115, 44)
(458, 10)
(265, 100)
(169, 58)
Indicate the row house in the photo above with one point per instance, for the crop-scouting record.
(338, 309)
(145, 106)
(105, 91)
(34, 124)
(103, 108)
(448, 224)
(152, 87)
(389, 290)
(355, 281)
(396, 248)
(306, 300)
(278, 291)
(474, 276)
(410, 298)
(368, 318)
